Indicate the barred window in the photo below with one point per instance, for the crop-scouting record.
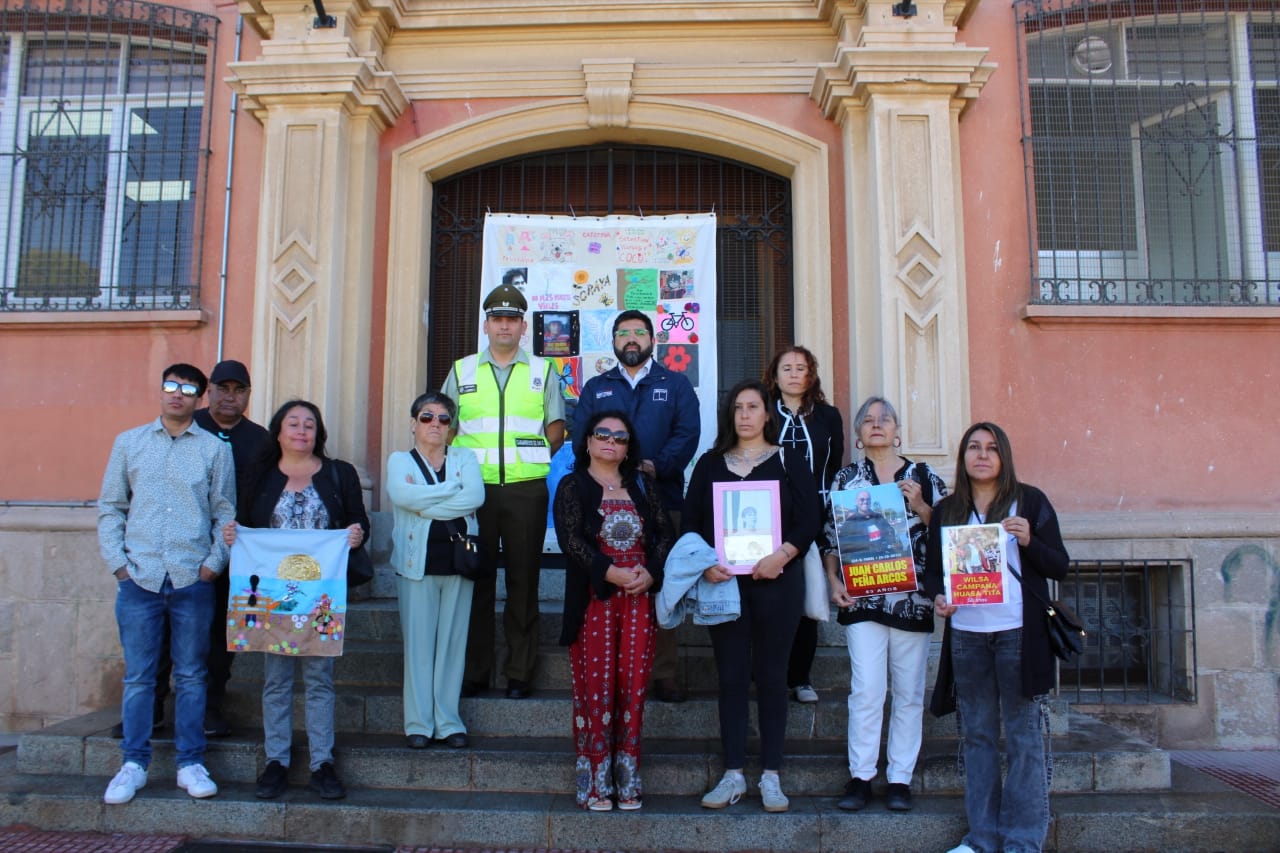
(1151, 134)
(102, 154)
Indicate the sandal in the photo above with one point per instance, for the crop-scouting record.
(629, 805)
(600, 804)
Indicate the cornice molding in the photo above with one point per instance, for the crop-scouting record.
(351, 83)
(859, 72)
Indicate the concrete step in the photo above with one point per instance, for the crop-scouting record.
(1095, 757)
(366, 663)
(1198, 814)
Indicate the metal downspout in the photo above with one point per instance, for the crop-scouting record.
(226, 208)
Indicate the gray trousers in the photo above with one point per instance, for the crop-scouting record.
(277, 706)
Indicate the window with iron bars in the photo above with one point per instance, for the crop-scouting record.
(101, 155)
(1140, 619)
(1151, 137)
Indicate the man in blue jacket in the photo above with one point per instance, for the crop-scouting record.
(664, 409)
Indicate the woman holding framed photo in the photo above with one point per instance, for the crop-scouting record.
(757, 645)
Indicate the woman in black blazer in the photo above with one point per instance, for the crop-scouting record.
(295, 486)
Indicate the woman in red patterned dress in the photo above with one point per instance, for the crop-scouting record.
(615, 537)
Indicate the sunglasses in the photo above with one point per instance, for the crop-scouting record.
(428, 417)
(618, 436)
(169, 386)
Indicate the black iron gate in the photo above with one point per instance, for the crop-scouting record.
(753, 237)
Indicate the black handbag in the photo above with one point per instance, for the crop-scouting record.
(466, 548)
(1066, 631)
(359, 563)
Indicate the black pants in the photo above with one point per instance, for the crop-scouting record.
(756, 646)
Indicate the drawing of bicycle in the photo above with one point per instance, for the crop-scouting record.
(681, 319)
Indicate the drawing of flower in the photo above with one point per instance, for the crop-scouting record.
(581, 277)
(677, 359)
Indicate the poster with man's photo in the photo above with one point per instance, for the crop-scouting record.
(874, 540)
(972, 560)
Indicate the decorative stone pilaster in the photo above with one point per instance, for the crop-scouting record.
(324, 101)
(898, 90)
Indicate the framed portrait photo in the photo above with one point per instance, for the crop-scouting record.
(748, 523)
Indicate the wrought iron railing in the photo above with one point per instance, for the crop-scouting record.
(1141, 644)
(1151, 138)
(103, 154)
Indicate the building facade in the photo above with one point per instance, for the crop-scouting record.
(1060, 216)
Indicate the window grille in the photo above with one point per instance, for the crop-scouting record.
(103, 154)
(1151, 139)
(1140, 619)
(753, 237)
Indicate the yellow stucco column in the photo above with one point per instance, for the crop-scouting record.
(324, 100)
(897, 87)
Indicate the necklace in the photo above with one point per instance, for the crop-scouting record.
(747, 459)
(608, 487)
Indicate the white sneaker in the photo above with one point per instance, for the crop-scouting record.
(771, 794)
(194, 779)
(962, 848)
(125, 784)
(728, 792)
(806, 694)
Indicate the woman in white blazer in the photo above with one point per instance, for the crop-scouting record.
(435, 490)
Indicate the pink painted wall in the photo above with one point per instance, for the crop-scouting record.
(66, 393)
(1146, 415)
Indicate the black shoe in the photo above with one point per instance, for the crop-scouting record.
(517, 689)
(214, 724)
(458, 740)
(668, 690)
(272, 782)
(471, 688)
(898, 797)
(419, 741)
(326, 781)
(857, 793)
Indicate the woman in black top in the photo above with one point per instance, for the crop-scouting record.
(808, 426)
(756, 645)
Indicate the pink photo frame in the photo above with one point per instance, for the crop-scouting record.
(748, 519)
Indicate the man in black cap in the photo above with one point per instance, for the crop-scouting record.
(228, 400)
(511, 415)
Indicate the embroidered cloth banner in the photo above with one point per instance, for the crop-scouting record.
(288, 592)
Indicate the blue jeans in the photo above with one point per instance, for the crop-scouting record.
(140, 615)
(988, 673)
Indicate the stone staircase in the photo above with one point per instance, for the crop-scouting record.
(513, 787)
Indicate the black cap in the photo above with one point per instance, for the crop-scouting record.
(506, 300)
(229, 371)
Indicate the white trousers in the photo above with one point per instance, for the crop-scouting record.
(434, 615)
(875, 652)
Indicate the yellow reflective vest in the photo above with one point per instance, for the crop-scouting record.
(504, 427)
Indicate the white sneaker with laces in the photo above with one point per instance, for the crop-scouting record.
(806, 694)
(728, 792)
(194, 779)
(771, 794)
(125, 784)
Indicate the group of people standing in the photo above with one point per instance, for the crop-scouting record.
(482, 448)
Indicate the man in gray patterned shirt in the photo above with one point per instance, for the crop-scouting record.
(168, 489)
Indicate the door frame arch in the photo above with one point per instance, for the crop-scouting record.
(704, 128)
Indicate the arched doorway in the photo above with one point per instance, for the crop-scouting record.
(753, 243)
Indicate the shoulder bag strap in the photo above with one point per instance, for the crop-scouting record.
(431, 477)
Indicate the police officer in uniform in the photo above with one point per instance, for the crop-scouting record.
(511, 414)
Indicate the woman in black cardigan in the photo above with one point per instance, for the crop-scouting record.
(295, 486)
(812, 428)
(615, 536)
(996, 659)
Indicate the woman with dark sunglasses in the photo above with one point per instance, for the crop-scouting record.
(435, 490)
(615, 536)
